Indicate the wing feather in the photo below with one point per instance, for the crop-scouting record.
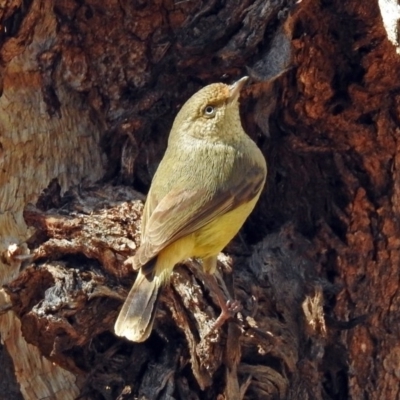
(180, 213)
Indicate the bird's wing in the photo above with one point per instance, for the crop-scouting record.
(179, 214)
(149, 207)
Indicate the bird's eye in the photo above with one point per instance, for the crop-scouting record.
(209, 111)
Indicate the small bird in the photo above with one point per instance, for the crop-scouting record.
(206, 185)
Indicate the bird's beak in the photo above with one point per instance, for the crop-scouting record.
(235, 88)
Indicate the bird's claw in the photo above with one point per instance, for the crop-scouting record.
(233, 307)
(228, 310)
(129, 262)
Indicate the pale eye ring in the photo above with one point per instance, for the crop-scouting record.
(209, 111)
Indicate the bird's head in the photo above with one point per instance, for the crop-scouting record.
(211, 113)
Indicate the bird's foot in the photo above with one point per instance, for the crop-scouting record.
(233, 307)
(130, 262)
(228, 310)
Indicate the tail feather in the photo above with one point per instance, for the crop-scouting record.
(135, 320)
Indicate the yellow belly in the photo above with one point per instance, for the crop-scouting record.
(204, 243)
(212, 238)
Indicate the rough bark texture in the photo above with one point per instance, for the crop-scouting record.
(316, 265)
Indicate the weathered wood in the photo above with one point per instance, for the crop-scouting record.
(35, 148)
(68, 307)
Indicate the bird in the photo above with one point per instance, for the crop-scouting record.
(205, 187)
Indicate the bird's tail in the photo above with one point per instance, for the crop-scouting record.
(135, 320)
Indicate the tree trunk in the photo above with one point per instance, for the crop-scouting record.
(41, 139)
(90, 90)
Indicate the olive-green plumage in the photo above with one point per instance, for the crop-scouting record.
(205, 187)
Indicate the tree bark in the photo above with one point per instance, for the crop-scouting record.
(37, 144)
(90, 90)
